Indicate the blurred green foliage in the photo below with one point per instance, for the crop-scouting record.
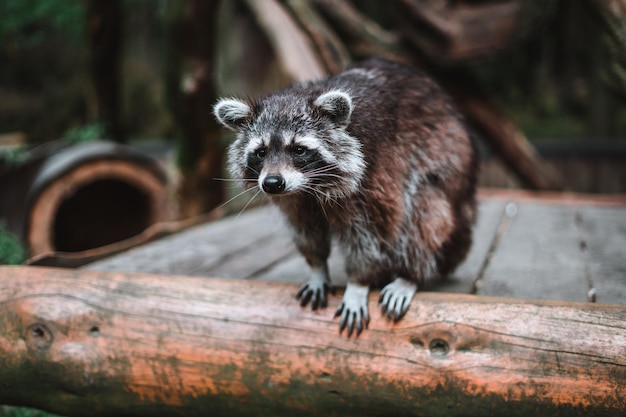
(23, 412)
(12, 251)
(42, 86)
(85, 133)
(28, 21)
(13, 156)
(45, 77)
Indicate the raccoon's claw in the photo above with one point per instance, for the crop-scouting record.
(316, 288)
(351, 318)
(396, 297)
(353, 309)
(315, 292)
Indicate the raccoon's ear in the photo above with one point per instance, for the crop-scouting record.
(337, 105)
(232, 112)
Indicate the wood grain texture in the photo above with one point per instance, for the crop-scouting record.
(602, 240)
(138, 344)
(561, 251)
(490, 213)
(539, 257)
(199, 249)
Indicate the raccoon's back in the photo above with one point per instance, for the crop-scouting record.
(398, 106)
(381, 91)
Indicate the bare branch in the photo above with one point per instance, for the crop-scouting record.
(293, 48)
(331, 50)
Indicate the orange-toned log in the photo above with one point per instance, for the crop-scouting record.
(98, 343)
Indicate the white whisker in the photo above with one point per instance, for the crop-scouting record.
(238, 195)
(235, 179)
(248, 203)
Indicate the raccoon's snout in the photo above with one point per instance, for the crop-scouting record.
(273, 184)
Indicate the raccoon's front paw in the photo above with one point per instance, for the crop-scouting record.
(396, 297)
(315, 289)
(353, 309)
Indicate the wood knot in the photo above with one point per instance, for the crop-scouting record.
(439, 347)
(438, 341)
(38, 337)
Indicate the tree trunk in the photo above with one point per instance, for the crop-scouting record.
(612, 17)
(104, 31)
(191, 95)
(147, 345)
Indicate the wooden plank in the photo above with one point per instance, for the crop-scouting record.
(539, 256)
(554, 198)
(489, 215)
(198, 248)
(295, 269)
(292, 269)
(139, 345)
(255, 259)
(603, 240)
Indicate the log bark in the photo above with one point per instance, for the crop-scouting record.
(133, 344)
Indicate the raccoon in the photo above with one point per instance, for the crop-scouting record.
(376, 158)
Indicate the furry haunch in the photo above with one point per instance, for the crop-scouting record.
(376, 158)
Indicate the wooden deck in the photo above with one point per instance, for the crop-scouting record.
(537, 246)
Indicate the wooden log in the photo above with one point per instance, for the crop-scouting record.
(124, 189)
(132, 344)
(330, 49)
(291, 45)
(72, 198)
(459, 33)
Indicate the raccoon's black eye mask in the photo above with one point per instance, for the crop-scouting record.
(299, 153)
(260, 153)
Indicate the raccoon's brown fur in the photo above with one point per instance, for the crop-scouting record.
(376, 157)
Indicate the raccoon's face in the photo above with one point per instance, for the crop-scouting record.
(287, 144)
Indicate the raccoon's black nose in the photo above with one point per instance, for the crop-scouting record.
(274, 184)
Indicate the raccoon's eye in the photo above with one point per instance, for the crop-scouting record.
(300, 151)
(260, 153)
